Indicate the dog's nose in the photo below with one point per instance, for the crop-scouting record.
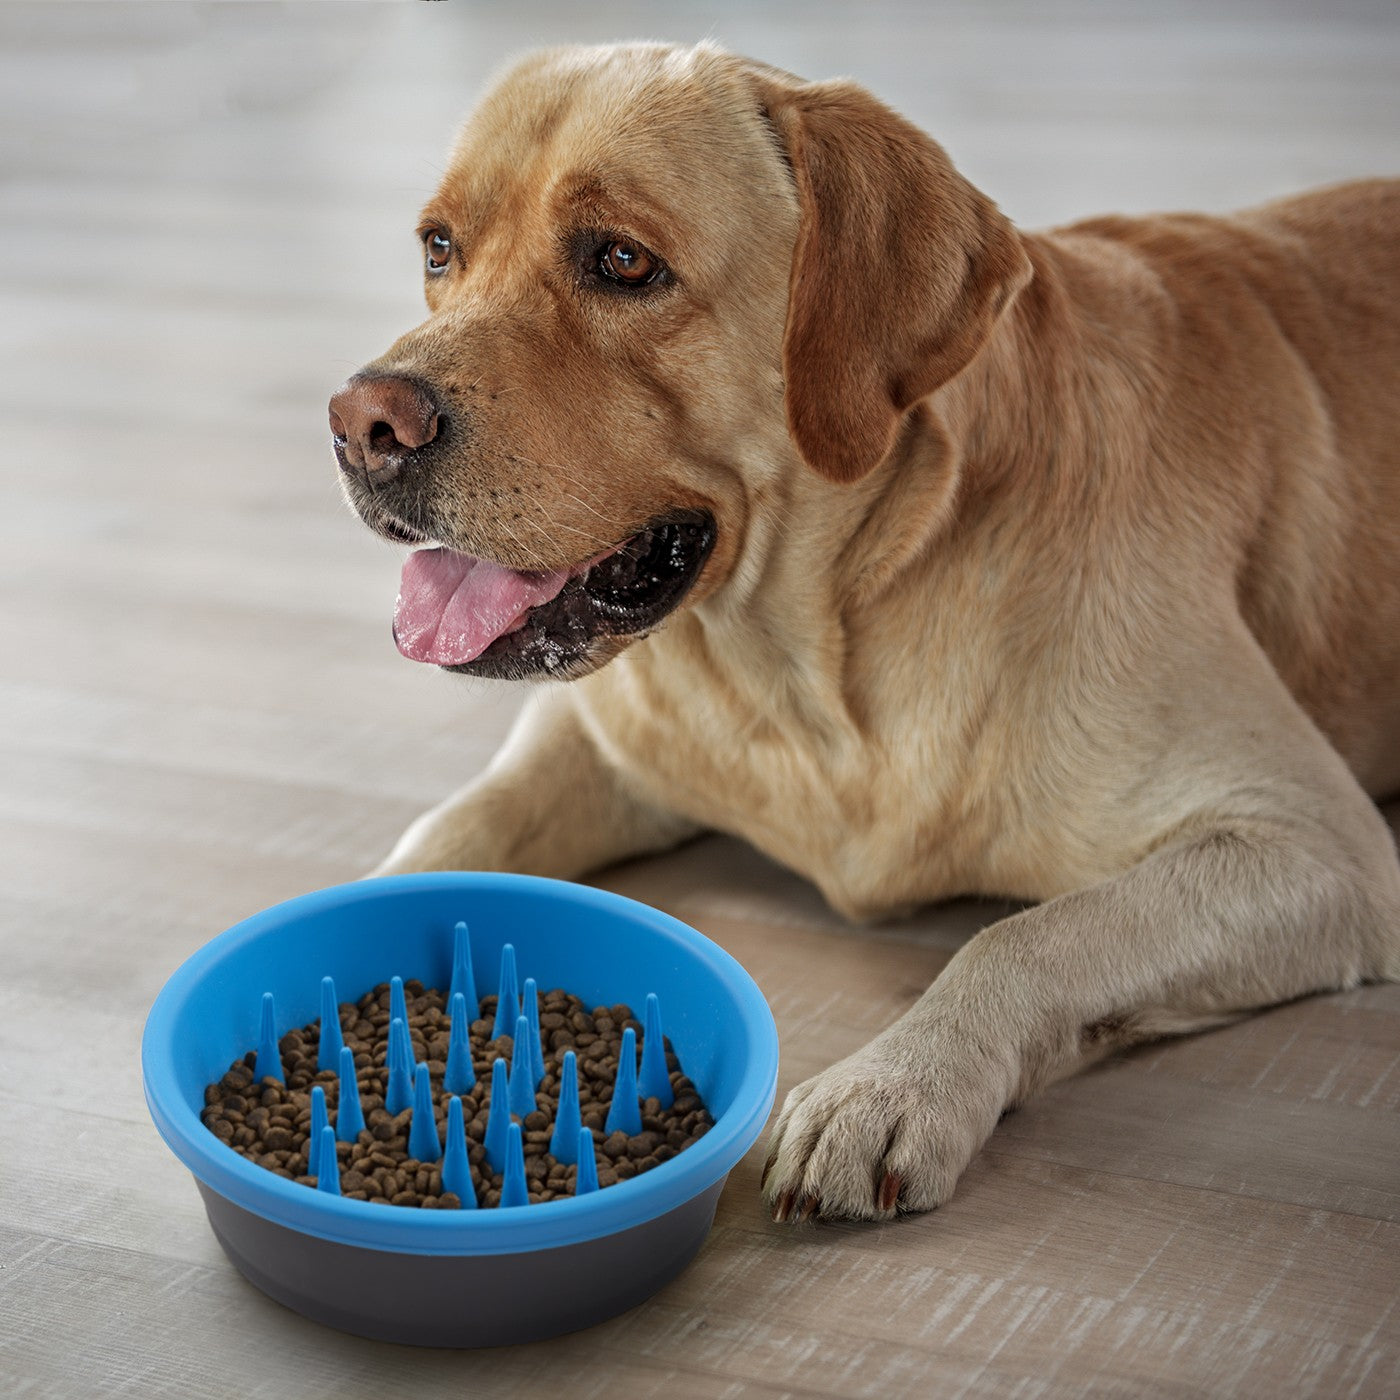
(379, 420)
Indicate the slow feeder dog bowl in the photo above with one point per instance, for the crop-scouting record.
(482, 1277)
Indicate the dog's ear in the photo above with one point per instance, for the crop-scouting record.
(901, 270)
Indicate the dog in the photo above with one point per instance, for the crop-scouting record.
(930, 556)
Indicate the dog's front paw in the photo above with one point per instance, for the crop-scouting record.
(883, 1131)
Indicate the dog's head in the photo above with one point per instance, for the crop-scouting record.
(660, 282)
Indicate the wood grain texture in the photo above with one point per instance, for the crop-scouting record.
(205, 223)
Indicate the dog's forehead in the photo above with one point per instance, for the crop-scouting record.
(649, 125)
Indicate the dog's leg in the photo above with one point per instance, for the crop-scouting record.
(548, 804)
(1285, 882)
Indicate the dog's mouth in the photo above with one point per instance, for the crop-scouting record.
(480, 618)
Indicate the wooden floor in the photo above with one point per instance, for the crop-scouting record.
(205, 222)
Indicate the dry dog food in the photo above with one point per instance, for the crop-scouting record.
(269, 1121)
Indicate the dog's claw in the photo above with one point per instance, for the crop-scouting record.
(782, 1207)
(767, 1168)
(808, 1206)
(888, 1193)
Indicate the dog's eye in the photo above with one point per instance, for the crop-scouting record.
(437, 250)
(629, 263)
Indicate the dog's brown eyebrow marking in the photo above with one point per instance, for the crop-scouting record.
(611, 204)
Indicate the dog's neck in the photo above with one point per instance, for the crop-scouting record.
(984, 452)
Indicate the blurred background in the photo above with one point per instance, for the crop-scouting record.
(206, 223)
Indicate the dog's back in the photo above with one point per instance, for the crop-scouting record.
(1286, 325)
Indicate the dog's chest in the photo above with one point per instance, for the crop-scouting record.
(881, 817)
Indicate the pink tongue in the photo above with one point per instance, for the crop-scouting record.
(451, 607)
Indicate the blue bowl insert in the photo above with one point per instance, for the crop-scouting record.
(471, 1277)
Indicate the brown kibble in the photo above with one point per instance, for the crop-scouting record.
(269, 1122)
(643, 1145)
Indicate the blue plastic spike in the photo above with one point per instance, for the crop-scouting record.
(460, 1075)
(398, 1006)
(349, 1116)
(269, 1061)
(564, 1143)
(587, 1178)
(522, 1071)
(514, 1192)
(507, 995)
(423, 1141)
(498, 1119)
(328, 1175)
(654, 1082)
(530, 1005)
(456, 1170)
(625, 1114)
(328, 1055)
(319, 1119)
(401, 1068)
(463, 979)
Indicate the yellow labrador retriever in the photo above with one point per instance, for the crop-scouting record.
(930, 556)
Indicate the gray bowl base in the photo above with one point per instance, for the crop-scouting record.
(464, 1300)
